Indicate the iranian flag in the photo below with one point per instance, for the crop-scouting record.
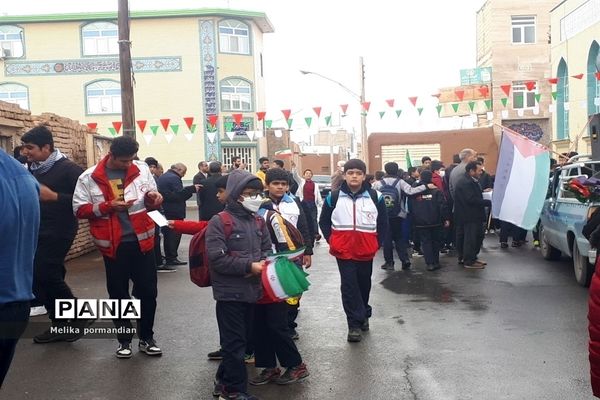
(282, 278)
(284, 153)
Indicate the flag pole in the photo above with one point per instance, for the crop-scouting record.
(532, 141)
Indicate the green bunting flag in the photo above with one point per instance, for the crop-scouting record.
(471, 105)
(289, 123)
(488, 104)
(328, 120)
(504, 101)
(398, 112)
(154, 129)
(439, 109)
(308, 121)
(420, 110)
(455, 107)
(193, 128)
(268, 123)
(228, 126)
(538, 97)
(381, 114)
(112, 131)
(554, 95)
(175, 128)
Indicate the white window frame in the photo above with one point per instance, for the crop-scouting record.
(100, 39)
(235, 93)
(11, 41)
(15, 94)
(102, 98)
(519, 87)
(521, 23)
(234, 37)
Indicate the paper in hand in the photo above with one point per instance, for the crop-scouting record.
(158, 218)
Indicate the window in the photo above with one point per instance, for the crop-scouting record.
(523, 29)
(16, 94)
(11, 41)
(236, 95)
(234, 37)
(245, 153)
(562, 111)
(103, 97)
(100, 39)
(522, 97)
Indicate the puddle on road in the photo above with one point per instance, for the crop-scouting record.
(427, 288)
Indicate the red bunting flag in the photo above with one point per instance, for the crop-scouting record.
(92, 125)
(484, 90)
(530, 85)
(366, 105)
(344, 108)
(189, 121)
(390, 102)
(460, 94)
(117, 125)
(212, 119)
(317, 111)
(598, 76)
(260, 115)
(578, 76)
(237, 118)
(413, 100)
(142, 124)
(506, 89)
(553, 81)
(286, 114)
(165, 123)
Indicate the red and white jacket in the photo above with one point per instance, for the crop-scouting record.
(92, 197)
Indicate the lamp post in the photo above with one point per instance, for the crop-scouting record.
(361, 99)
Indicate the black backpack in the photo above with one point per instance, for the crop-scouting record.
(391, 197)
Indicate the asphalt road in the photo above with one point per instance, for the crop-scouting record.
(516, 330)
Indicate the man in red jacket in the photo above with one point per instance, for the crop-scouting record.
(114, 196)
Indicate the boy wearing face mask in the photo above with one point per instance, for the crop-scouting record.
(235, 266)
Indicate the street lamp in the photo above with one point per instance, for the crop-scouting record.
(361, 99)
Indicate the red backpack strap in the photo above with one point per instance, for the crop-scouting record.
(227, 222)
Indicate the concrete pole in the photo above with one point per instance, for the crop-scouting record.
(127, 103)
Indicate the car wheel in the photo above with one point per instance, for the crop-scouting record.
(548, 252)
(582, 268)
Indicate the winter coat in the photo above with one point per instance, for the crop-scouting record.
(469, 205)
(174, 194)
(428, 209)
(207, 196)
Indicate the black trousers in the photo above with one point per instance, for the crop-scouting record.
(132, 264)
(469, 237)
(49, 271)
(431, 243)
(158, 257)
(356, 289)
(171, 243)
(13, 321)
(310, 209)
(234, 320)
(293, 314)
(507, 229)
(395, 239)
(272, 338)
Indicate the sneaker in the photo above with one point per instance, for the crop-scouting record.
(481, 261)
(433, 267)
(365, 326)
(406, 266)
(492, 230)
(266, 376)
(318, 237)
(35, 311)
(354, 335)
(166, 268)
(503, 245)
(78, 326)
(149, 347)
(294, 334)
(124, 350)
(475, 265)
(443, 250)
(237, 396)
(175, 262)
(218, 388)
(293, 375)
(215, 355)
(536, 243)
(388, 266)
(516, 243)
(56, 333)
(461, 262)
(249, 358)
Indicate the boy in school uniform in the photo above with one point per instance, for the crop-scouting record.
(354, 222)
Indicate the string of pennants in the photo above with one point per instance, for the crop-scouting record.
(171, 129)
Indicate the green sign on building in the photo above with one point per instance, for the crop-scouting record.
(475, 75)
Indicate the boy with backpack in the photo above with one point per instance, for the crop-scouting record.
(235, 264)
(354, 221)
(391, 187)
(288, 230)
(429, 213)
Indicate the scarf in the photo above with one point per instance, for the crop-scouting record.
(41, 167)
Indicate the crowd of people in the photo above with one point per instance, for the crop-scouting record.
(245, 217)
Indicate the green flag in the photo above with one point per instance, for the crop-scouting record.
(175, 128)
(268, 123)
(112, 131)
(538, 97)
(289, 122)
(420, 110)
(154, 129)
(471, 105)
(308, 121)
(398, 112)
(381, 114)
(455, 106)
(193, 128)
(328, 120)
(439, 109)
(408, 160)
(488, 104)
(504, 101)
(554, 95)
(228, 126)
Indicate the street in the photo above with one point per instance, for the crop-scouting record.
(516, 330)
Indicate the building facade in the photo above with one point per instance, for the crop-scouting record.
(513, 39)
(575, 51)
(198, 77)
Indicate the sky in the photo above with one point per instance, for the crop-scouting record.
(410, 48)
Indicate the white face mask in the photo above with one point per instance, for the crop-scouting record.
(442, 173)
(251, 204)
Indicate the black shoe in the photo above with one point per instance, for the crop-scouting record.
(294, 334)
(79, 326)
(124, 350)
(149, 347)
(388, 266)
(56, 333)
(175, 262)
(516, 243)
(354, 335)
(218, 388)
(443, 250)
(215, 355)
(433, 267)
(503, 245)
(237, 396)
(461, 262)
(365, 326)
(406, 266)
(166, 268)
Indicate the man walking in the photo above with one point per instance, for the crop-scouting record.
(114, 196)
(465, 156)
(57, 177)
(211, 205)
(160, 267)
(264, 167)
(310, 198)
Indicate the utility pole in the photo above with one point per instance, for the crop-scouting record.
(127, 103)
(363, 116)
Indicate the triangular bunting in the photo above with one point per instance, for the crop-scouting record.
(390, 102)
(344, 108)
(250, 135)
(455, 107)
(117, 125)
(188, 136)
(289, 123)
(165, 123)
(268, 123)
(328, 120)
(189, 121)
(230, 134)
(460, 94)
(530, 85)
(317, 111)
(538, 97)
(506, 89)
(112, 131)
(142, 124)
(554, 94)
(366, 105)
(308, 121)
(147, 138)
(413, 100)
(398, 112)
(193, 128)
(229, 126)
(439, 109)
(420, 110)
(92, 125)
(212, 135)
(488, 104)
(578, 76)
(471, 105)
(553, 81)
(212, 119)
(286, 114)
(260, 115)
(381, 114)
(154, 129)
(169, 137)
(237, 118)
(484, 91)
(175, 128)
(504, 101)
